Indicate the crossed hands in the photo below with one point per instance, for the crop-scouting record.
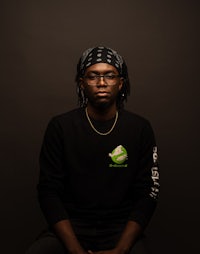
(112, 251)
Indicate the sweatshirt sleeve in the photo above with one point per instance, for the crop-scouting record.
(50, 186)
(146, 186)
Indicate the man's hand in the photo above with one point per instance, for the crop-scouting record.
(128, 238)
(113, 251)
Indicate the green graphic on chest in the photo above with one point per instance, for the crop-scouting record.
(119, 155)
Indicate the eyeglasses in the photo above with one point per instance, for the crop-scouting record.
(110, 79)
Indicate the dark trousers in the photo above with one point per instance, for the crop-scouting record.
(97, 237)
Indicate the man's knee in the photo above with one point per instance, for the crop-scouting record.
(141, 247)
(47, 244)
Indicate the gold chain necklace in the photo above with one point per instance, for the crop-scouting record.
(101, 133)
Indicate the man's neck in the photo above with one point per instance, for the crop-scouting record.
(101, 114)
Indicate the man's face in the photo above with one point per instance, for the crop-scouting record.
(101, 91)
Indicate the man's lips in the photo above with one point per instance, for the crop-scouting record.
(102, 93)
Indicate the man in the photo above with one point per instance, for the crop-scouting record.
(98, 183)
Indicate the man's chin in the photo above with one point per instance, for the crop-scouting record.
(102, 103)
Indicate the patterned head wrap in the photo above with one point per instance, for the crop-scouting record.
(100, 55)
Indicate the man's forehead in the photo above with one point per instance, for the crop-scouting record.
(101, 68)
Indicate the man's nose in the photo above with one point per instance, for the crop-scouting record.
(102, 81)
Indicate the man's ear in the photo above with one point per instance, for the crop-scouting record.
(121, 83)
(81, 83)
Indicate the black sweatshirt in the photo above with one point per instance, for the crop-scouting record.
(87, 176)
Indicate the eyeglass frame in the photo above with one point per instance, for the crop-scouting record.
(97, 78)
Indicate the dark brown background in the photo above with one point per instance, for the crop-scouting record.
(41, 42)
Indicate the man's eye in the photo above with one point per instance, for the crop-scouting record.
(92, 77)
(109, 76)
